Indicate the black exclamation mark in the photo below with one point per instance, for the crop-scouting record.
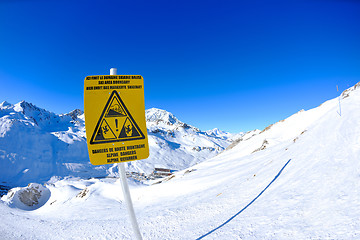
(116, 123)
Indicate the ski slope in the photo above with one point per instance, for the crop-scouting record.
(298, 179)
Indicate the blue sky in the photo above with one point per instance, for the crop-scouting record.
(234, 65)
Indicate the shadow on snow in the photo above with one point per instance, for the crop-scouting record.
(226, 222)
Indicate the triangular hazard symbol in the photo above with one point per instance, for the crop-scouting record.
(128, 130)
(104, 132)
(116, 123)
(115, 109)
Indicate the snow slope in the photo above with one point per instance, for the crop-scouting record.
(36, 145)
(303, 182)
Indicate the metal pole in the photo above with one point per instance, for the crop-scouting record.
(126, 191)
(128, 201)
(113, 71)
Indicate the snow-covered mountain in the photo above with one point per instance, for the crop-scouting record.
(297, 179)
(176, 145)
(36, 144)
(224, 135)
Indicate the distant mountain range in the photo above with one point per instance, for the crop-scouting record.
(36, 144)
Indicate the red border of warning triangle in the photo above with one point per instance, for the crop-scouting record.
(128, 115)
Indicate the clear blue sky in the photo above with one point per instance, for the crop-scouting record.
(234, 65)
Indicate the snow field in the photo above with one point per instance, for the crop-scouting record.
(304, 184)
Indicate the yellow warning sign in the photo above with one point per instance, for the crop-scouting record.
(115, 118)
(116, 123)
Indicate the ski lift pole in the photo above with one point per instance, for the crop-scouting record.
(126, 191)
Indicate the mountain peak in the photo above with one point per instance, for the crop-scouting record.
(215, 132)
(36, 114)
(158, 115)
(24, 106)
(5, 105)
(74, 114)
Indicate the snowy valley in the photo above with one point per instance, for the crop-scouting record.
(297, 179)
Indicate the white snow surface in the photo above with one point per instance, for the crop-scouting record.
(298, 179)
(36, 144)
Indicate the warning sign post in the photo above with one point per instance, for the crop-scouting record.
(115, 125)
(115, 118)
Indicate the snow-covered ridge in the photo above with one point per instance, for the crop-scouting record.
(48, 121)
(5, 105)
(224, 135)
(291, 128)
(37, 115)
(348, 91)
(74, 114)
(159, 118)
(156, 115)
